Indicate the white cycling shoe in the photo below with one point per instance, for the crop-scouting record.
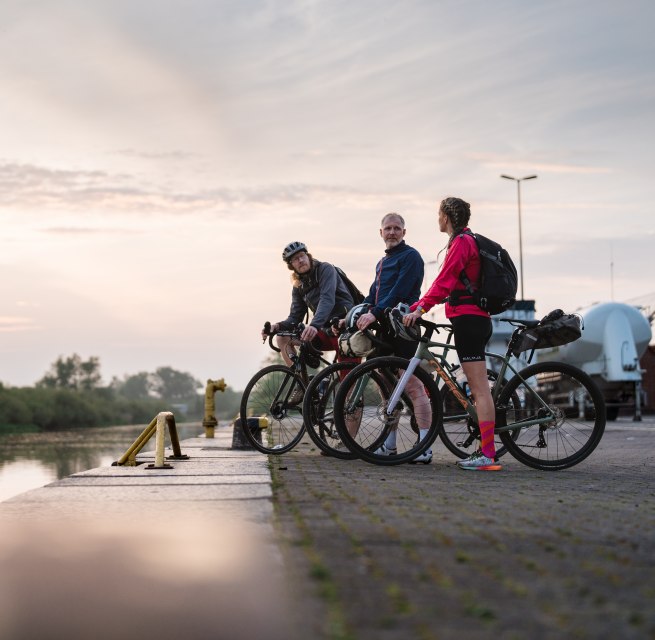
(386, 451)
(425, 458)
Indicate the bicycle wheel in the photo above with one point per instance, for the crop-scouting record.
(361, 418)
(318, 410)
(275, 393)
(574, 405)
(460, 432)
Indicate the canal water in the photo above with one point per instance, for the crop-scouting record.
(32, 460)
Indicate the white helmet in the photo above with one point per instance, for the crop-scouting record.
(291, 249)
(396, 320)
(354, 314)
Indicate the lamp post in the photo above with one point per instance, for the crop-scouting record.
(518, 186)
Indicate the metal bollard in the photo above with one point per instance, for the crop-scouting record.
(239, 438)
(160, 441)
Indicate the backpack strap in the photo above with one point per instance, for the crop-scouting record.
(458, 297)
(311, 281)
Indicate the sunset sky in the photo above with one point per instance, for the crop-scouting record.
(157, 156)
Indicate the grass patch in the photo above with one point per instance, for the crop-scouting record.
(19, 428)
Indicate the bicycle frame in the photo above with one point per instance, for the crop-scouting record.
(438, 363)
(299, 365)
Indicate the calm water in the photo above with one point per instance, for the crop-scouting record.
(31, 460)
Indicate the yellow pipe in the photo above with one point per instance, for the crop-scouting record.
(209, 421)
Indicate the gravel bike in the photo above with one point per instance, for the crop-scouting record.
(460, 433)
(276, 394)
(318, 405)
(549, 415)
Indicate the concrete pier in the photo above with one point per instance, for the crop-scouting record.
(132, 552)
(230, 545)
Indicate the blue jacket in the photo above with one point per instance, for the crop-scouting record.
(398, 278)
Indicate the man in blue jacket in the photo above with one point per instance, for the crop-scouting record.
(398, 274)
(398, 278)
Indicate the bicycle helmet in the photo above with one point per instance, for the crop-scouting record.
(354, 314)
(292, 249)
(396, 320)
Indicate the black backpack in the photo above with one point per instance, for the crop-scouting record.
(498, 279)
(356, 294)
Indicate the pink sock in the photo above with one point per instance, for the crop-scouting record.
(487, 437)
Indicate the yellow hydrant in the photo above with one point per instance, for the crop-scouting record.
(209, 421)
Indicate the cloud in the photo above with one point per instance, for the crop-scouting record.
(154, 155)
(87, 231)
(30, 187)
(12, 324)
(502, 161)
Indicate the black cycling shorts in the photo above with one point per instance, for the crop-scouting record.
(471, 334)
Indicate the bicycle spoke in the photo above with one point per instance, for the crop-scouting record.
(361, 411)
(275, 394)
(572, 424)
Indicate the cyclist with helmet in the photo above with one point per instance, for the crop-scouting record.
(317, 287)
(471, 325)
(398, 279)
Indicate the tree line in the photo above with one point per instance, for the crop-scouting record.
(71, 395)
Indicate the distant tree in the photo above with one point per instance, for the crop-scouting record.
(72, 373)
(175, 386)
(134, 387)
(165, 383)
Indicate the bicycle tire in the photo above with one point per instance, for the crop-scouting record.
(269, 395)
(460, 433)
(577, 408)
(379, 378)
(318, 410)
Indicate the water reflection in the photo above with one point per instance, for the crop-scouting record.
(31, 460)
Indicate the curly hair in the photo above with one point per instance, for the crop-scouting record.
(295, 276)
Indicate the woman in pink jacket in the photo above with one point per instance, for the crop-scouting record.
(471, 325)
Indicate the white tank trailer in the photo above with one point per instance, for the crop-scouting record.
(614, 338)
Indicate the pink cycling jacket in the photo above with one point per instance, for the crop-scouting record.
(462, 255)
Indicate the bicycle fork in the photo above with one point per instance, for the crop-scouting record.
(409, 372)
(402, 383)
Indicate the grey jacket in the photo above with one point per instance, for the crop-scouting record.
(323, 292)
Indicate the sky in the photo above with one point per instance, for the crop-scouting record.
(156, 156)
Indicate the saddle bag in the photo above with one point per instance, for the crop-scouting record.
(555, 329)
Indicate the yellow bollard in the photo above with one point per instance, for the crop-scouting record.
(129, 457)
(209, 421)
(157, 426)
(160, 441)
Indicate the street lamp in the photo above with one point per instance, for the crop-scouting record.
(518, 185)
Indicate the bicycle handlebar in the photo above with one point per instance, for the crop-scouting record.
(295, 332)
(431, 327)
